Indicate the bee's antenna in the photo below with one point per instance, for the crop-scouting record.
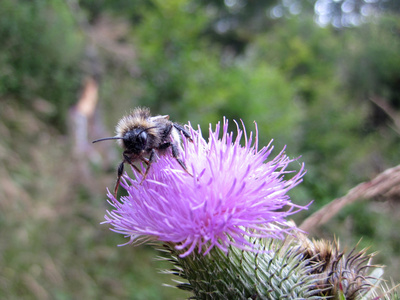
(108, 138)
(121, 138)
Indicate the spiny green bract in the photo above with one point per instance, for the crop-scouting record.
(277, 273)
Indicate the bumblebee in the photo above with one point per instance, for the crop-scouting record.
(142, 136)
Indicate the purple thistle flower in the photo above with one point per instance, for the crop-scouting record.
(233, 194)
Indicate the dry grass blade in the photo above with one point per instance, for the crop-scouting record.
(389, 110)
(385, 183)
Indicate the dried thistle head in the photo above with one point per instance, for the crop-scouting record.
(338, 273)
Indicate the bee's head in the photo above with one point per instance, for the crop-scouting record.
(135, 140)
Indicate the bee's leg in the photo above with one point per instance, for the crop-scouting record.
(175, 154)
(184, 131)
(164, 146)
(145, 160)
(137, 169)
(119, 175)
(149, 161)
(129, 161)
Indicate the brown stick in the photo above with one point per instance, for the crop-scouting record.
(384, 183)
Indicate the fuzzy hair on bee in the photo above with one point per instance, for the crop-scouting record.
(143, 136)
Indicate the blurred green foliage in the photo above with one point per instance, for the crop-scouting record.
(308, 87)
(185, 74)
(380, 76)
(40, 53)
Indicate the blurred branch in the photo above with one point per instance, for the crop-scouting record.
(82, 113)
(386, 183)
(390, 111)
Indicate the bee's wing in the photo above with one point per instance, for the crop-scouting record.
(155, 118)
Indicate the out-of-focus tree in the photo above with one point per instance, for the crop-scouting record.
(236, 22)
(345, 13)
(339, 13)
(372, 70)
(308, 56)
(185, 73)
(336, 72)
(129, 9)
(40, 51)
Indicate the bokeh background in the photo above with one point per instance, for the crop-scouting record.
(322, 77)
